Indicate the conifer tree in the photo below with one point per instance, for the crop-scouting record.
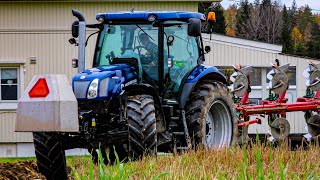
(313, 46)
(243, 20)
(286, 30)
(293, 14)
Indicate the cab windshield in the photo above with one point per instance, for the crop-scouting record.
(140, 41)
(118, 40)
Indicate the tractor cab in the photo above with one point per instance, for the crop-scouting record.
(163, 47)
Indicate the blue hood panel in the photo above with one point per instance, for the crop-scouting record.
(111, 80)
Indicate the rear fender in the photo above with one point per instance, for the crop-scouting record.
(200, 73)
(150, 90)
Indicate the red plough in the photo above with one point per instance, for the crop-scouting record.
(276, 105)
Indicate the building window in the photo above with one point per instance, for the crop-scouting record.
(255, 77)
(9, 83)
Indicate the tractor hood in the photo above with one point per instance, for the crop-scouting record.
(101, 83)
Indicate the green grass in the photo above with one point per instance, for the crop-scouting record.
(12, 160)
(258, 162)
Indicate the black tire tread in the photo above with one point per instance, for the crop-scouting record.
(50, 155)
(142, 125)
(198, 105)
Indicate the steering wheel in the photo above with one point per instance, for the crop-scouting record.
(139, 48)
(144, 59)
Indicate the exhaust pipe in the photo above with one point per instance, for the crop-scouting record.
(81, 41)
(78, 14)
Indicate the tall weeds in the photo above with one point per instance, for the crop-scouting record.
(255, 162)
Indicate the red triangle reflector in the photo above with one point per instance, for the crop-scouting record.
(40, 89)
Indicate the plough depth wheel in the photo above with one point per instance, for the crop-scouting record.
(280, 129)
(313, 124)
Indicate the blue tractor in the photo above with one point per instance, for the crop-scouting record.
(148, 91)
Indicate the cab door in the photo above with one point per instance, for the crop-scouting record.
(182, 54)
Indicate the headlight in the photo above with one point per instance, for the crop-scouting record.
(93, 89)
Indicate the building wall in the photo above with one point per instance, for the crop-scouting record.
(57, 16)
(226, 51)
(42, 30)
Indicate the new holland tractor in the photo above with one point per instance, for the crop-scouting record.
(148, 91)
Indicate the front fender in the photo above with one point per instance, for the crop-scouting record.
(199, 73)
(142, 89)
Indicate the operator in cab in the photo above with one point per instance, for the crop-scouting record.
(152, 49)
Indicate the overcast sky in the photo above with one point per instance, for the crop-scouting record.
(313, 4)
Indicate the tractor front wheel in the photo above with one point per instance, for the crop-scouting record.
(141, 116)
(211, 116)
(50, 155)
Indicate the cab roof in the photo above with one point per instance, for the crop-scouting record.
(143, 15)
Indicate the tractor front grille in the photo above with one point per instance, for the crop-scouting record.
(80, 88)
(103, 91)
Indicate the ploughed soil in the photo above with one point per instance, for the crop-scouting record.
(22, 170)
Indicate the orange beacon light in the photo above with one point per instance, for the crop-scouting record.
(211, 16)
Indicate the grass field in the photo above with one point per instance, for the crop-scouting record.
(257, 162)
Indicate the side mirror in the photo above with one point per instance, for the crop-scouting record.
(207, 49)
(194, 27)
(75, 29)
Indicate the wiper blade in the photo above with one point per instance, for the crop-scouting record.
(144, 32)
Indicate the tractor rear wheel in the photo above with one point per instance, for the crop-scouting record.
(141, 116)
(211, 116)
(50, 155)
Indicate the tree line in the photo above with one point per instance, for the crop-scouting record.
(296, 28)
